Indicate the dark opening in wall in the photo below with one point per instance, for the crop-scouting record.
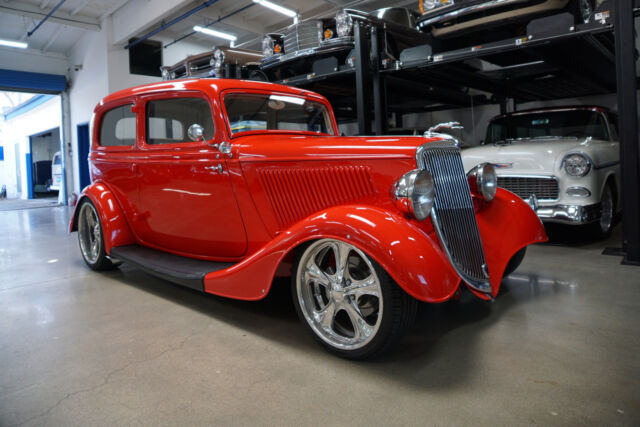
(145, 58)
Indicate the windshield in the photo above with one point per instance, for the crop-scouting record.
(574, 124)
(255, 112)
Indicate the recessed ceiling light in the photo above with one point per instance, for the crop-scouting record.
(283, 10)
(10, 43)
(215, 33)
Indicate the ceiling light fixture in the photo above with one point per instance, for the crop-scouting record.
(214, 33)
(283, 10)
(10, 43)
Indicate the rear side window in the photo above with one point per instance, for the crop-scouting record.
(169, 120)
(118, 127)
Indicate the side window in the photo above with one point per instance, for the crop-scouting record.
(118, 127)
(169, 120)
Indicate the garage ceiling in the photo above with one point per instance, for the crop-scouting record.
(74, 18)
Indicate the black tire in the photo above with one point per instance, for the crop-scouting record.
(602, 228)
(90, 238)
(582, 10)
(398, 308)
(515, 262)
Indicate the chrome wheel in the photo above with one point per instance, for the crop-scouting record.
(607, 210)
(586, 10)
(339, 294)
(89, 233)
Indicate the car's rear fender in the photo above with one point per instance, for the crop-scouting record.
(410, 256)
(115, 230)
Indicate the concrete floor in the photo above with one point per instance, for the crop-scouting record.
(559, 346)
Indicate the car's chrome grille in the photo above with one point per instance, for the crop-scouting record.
(544, 188)
(453, 214)
(301, 36)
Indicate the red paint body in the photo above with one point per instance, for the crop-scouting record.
(279, 189)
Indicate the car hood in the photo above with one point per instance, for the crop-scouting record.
(274, 147)
(527, 157)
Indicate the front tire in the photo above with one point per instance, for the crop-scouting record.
(583, 10)
(604, 226)
(347, 301)
(90, 238)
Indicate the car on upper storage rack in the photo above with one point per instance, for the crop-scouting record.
(220, 62)
(564, 161)
(456, 18)
(221, 185)
(327, 45)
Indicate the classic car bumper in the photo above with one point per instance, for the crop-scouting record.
(327, 46)
(569, 214)
(462, 16)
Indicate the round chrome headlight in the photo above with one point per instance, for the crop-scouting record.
(483, 181)
(267, 46)
(165, 73)
(344, 23)
(576, 164)
(428, 4)
(414, 193)
(217, 61)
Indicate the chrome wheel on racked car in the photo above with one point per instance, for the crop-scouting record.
(349, 302)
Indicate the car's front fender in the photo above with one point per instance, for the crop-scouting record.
(410, 256)
(115, 229)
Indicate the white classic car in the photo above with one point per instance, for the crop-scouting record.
(564, 161)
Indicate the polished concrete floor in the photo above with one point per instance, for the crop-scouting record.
(560, 346)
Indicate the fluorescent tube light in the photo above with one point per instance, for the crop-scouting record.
(291, 99)
(10, 43)
(215, 33)
(283, 10)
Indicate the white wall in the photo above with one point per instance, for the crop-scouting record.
(16, 131)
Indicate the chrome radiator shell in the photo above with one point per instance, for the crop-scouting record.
(453, 214)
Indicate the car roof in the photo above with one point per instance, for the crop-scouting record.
(207, 85)
(554, 110)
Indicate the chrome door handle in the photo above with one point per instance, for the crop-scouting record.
(214, 168)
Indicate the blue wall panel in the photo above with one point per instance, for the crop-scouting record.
(22, 81)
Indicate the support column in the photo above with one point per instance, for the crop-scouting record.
(65, 137)
(363, 79)
(379, 84)
(628, 129)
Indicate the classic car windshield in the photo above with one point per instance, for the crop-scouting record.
(251, 112)
(562, 124)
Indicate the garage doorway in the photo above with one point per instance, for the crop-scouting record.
(46, 165)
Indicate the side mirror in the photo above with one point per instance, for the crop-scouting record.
(195, 132)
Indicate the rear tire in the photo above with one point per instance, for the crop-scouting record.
(347, 301)
(90, 238)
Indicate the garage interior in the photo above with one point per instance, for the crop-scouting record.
(557, 346)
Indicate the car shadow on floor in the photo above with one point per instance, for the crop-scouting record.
(427, 357)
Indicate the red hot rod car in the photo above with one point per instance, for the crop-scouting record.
(221, 185)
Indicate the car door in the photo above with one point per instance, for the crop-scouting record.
(114, 152)
(187, 201)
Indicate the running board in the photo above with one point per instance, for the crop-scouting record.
(184, 271)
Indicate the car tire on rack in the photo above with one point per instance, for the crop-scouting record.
(90, 237)
(348, 302)
(582, 10)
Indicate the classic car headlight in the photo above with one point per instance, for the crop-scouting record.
(165, 73)
(344, 23)
(576, 164)
(267, 46)
(413, 193)
(483, 181)
(218, 58)
(427, 5)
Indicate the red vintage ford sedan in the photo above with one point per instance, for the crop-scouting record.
(222, 185)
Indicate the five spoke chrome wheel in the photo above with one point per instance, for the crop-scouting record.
(339, 294)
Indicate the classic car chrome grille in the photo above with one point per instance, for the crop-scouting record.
(301, 36)
(453, 214)
(295, 193)
(544, 188)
